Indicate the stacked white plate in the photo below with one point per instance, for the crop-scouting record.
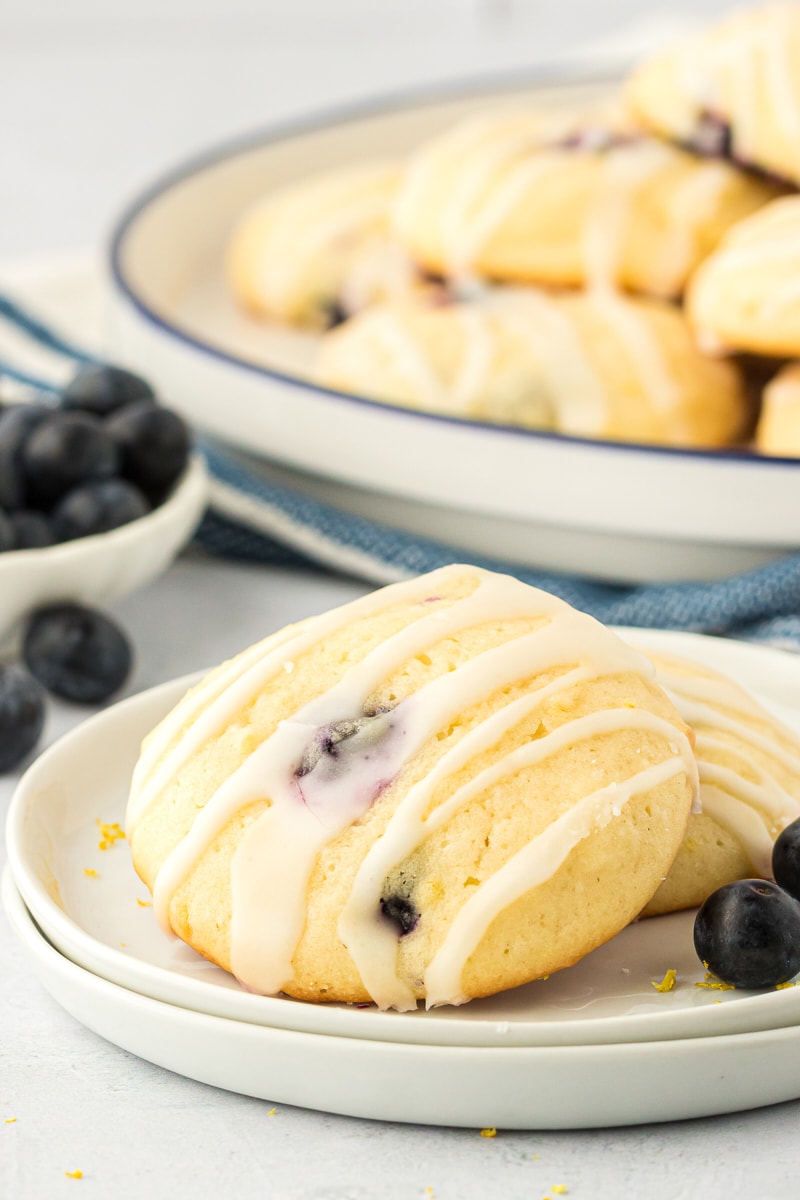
(597, 1044)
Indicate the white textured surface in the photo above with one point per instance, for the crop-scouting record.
(97, 97)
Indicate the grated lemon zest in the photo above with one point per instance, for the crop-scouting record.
(668, 982)
(110, 832)
(74, 1174)
(488, 1133)
(90, 871)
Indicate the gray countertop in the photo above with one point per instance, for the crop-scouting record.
(100, 99)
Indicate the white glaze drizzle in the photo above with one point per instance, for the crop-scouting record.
(625, 169)
(277, 851)
(575, 386)
(647, 356)
(373, 946)
(534, 864)
(749, 811)
(279, 272)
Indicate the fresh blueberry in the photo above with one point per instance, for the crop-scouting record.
(97, 507)
(77, 652)
(7, 539)
(400, 910)
(32, 530)
(21, 715)
(17, 422)
(361, 732)
(154, 445)
(67, 449)
(748, 934)
(712, 136)
(102, 389)
(786, 859)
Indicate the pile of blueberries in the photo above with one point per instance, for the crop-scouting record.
(104, 453)
(748, 933)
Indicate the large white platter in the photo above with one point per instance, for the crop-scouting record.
(613, 511)
(102, 919)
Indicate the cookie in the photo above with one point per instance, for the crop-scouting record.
(593, 364)
(729, 91)
(746, 296)
(446, 788)
(749, 766)
(317, 251)
(778, 428)
(566, 204)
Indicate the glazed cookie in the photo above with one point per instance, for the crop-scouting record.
(541, 203)
(778, 428)
(746, 296)
(594, 364)
(449, 787)
(731, 91)
(749, 766)
(317, 251)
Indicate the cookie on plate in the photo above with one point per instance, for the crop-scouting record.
(732, 90)
(749, 764)
(316, 251)
(746, 296)
(778, 428)
(446, 788)
(591, 364)
(576, 200)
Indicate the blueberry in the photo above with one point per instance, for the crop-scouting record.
(362, 732)
(31, 530)
(786, 859)
(712, 137)
(17, 422)
(21, 715)
(77, 652)
(401, 911)
(748, 934)
(66, 449)
(96, 508)
(7, 539)
(102, 389)
(154, 445)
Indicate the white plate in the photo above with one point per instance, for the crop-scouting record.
(533, 1087)
(614, 511)
(103, 921)
(98, 569)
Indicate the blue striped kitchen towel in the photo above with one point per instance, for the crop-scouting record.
(255, 520)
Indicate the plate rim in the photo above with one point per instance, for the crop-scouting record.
(72, 939)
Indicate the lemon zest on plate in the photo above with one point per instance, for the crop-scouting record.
(668, 982)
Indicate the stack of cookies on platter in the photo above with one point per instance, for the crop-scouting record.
(621, 271)
(449, 787)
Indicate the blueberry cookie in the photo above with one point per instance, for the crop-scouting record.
(316, 251)
(778, 428)
(749, 765)
(592, 364)
(746, 296)
(449, 787)
(566, 202)
(731, 91)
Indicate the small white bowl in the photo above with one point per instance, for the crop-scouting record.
(99, 569)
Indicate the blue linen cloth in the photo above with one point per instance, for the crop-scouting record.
(254, 520)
